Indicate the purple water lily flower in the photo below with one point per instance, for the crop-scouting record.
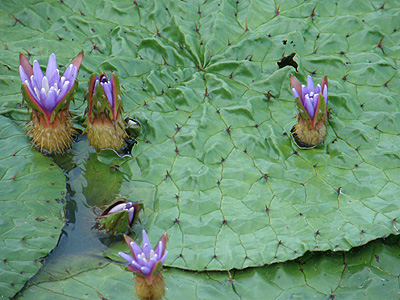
(145, 261)
(312, 104)
(124, 206)
(49, 95)
(46, 91)
(308, 95)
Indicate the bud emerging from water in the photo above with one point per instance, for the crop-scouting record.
(147, 263)
(105, 125)
(310, 130)
(119, 216)
(49, 97)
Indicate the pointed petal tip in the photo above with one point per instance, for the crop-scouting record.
(51, 65)
(310, 84)
(293, 79)
(125, 256)
(131, 245)
(78, 60)
(296, 85)
(295, 94)
(144, 235)
(22, 57)
(324, 82)
(23, 61)
(52, 57)
(164, 239)
(128, 240)
(131, 215)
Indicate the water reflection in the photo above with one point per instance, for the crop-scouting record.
(89, 183)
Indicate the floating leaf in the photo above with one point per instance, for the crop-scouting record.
(31, 202)
(214, 165)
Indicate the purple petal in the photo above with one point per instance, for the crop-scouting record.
(315, 101)
(304, 92)
(325, 94)
(295, 94)
(151, 263)
(63, 91)
(159, 249)
(163, 245)
(116, 208)
(37, 93)
(51, 66)
(107, 88)
(32, 82)
(23, 75)
(135, 264)
(141, 259)
(68, 72)
(37, 74)
(146, 246)
(125, 256)
(145, 270)
(45, 84)
(318, 89)
(164, 257)
(42, 96)
(51, 99)
(136, 249)
(54, 78)
(131, 213)
(32, 91)
(310, 84)
(308, 106)
(61, 82)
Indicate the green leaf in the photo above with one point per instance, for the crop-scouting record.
(364, 272)
(214, 165)
(31, 203)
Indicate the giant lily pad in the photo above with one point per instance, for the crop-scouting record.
(31, 202)
(215, 165)
(366, 272)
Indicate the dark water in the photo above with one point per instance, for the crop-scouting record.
(90, 184)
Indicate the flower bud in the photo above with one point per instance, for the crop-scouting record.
(105, 125)
(310, 130)
(119, 216)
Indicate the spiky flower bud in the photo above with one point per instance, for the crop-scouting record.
(49, 97)
(105, 125)
(147, 263)
(310, 130)
(119, 216)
